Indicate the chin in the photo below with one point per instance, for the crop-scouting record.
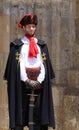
(31, 34)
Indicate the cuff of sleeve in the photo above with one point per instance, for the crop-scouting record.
(24, 79)
(39, 80)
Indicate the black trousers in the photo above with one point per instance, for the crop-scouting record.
(45, 127)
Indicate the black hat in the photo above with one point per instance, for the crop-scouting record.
(28, 19)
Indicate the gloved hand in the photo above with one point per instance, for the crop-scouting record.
(31, 84)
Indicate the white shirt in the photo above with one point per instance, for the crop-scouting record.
(30, 62)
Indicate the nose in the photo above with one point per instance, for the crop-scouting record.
(31, 28)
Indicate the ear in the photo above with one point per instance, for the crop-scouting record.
(24, 27)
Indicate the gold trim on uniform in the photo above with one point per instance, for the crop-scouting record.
(18, 57)
(43, 56)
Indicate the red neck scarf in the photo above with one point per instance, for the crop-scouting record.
(33, 50)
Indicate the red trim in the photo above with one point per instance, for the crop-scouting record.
(21, 26)
(37, 68)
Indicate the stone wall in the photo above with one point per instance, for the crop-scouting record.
(59, 27)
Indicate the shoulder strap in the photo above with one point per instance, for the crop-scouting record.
(41, 42)
(17, 42)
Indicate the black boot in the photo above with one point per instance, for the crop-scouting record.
(38, 127)
(19, 128)
(44, 127)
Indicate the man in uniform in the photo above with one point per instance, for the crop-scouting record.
(28, 73)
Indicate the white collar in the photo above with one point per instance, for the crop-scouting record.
(26, 40)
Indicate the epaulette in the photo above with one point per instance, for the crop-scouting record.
(17, 42)
(41, 42)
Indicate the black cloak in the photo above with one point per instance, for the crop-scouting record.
(14, 88)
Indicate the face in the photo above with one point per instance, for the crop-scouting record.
(30, 29)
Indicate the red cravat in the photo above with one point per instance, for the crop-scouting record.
(33, 50)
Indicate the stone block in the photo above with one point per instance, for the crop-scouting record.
(58, 93)
(3, 117)
(0, 95)
(77, 30)
(73, 78)
(77, 9)
(4, 33)
(3, 128)
(59, 27)
(71, 110)
(58, 117)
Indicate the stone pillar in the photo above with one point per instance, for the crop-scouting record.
(59, 27)
(4, 47)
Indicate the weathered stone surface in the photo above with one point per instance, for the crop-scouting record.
(4, 33)
(73, 78)
(71, 110)
(59, 27)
